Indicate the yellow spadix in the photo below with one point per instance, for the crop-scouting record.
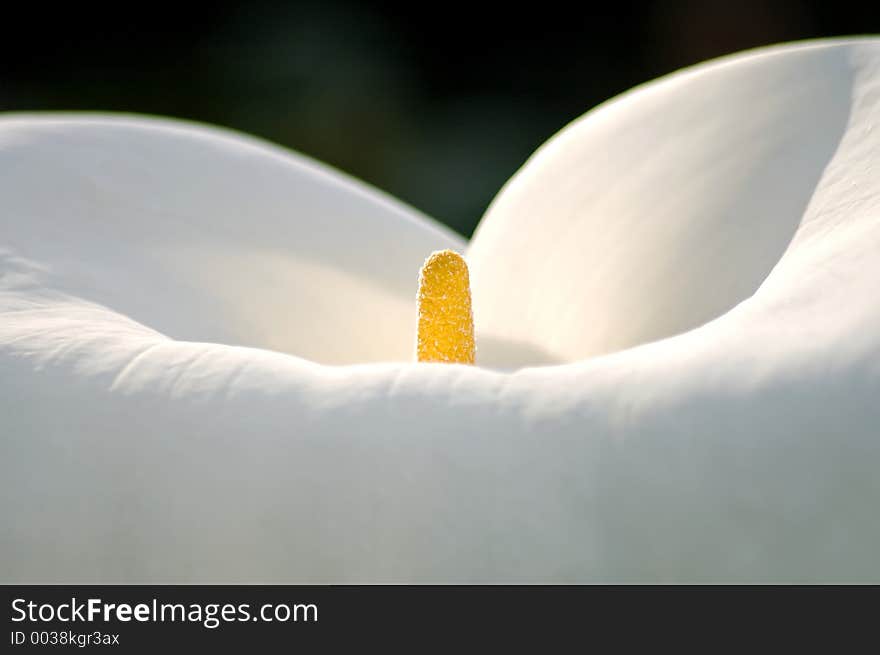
(446, 320)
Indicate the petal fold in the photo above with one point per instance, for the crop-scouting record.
(661, 209)
(206, 235)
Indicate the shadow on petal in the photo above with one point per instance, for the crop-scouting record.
(506, 354)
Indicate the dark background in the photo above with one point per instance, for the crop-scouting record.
(437, 103)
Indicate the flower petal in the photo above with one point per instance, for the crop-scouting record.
(663, 208)
(205, 235)
(742, 450)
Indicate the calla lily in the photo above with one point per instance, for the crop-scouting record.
(206, 349)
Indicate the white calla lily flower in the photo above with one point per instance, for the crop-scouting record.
(206, 349)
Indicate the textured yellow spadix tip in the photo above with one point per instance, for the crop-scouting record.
(446, 322)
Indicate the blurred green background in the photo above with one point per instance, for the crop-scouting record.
(438, 104)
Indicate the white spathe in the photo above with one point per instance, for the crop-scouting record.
(740, 192)
(664, 208)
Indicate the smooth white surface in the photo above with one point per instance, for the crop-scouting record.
(206, 235)
(743, 450)
(663, 208)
